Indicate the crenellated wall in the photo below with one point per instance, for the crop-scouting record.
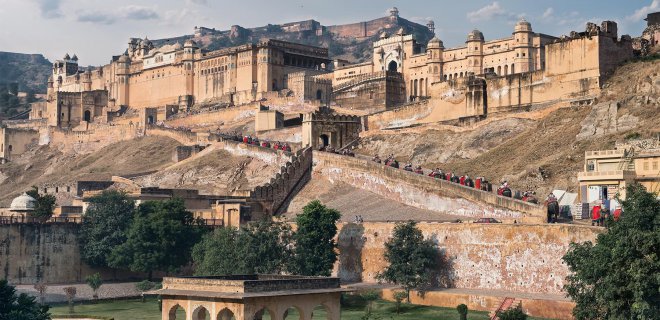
(422, 191)
(511, 257)
(274, 196)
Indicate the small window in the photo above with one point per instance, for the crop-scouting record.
(646, 163)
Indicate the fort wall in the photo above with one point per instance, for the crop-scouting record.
(215, 118)
(16, 141)
(422, 191)
(49, 253)
(272, 197)
(511, 257)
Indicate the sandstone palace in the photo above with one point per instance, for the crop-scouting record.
(436, 83)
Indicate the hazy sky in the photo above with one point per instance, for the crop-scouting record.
(96, 30)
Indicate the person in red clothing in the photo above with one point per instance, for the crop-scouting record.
(462, 180)
(617, 213)
(595, 215)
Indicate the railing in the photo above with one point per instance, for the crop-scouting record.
(9, 220)
(597, 153)
(618, 174)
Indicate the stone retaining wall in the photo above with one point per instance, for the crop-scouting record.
(422, 191)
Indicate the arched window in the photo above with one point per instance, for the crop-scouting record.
(319, 94)
(292, 313)
(506, 69)
(513, 68)
(225, 314)
(87, 116)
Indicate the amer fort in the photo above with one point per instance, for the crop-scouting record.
(255, 131)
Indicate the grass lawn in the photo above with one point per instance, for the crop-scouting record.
(351, 310)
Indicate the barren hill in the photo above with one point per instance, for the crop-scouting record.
(30, 71)
(538, 151)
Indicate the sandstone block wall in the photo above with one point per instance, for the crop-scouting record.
(511, 257)
(50, 253)
(422, 191)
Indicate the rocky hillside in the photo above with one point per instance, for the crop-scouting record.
(343, 42)
(537, 151)
(30, 71)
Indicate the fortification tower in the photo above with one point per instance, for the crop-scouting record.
(87, 80)
(475, 51)
(264, 70)
(524, 61)
(123, 70)
(434, 52)
(431, 26)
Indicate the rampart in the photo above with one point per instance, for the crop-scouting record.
(276, 194)
(185, 137)
(422, 191)
(511, 257)
(95, 138)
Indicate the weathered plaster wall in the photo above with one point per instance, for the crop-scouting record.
(50, 253)
(422, 191)
(511, 257)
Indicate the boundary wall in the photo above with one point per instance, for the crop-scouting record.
(422, 191)
(512, 257)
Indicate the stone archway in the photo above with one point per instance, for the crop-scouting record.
(87, 116)
(393, 66)
(319, 94)
(263, 314)
(293, 313)
(177, 312)
(321, 312)
(225, 314)
(324, 140)
(201, 313)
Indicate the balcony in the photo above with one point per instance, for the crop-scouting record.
(606, 175)
(598, 154)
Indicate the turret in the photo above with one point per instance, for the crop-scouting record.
(523, 37)
(123, 76)
(434, 51)
(475, 49)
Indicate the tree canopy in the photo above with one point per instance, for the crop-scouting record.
(259, 247)
(618, 277)
(160, 238)
(315, 249)
(412, 259)
(19, 307)
(104, 226)
(45, 204)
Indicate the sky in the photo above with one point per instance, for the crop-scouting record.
(97, 29)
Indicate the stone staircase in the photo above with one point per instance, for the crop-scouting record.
(507, 303)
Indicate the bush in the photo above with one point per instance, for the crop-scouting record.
(512, 314)
(462, 311)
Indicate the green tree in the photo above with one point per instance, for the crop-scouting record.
(144, 286)
(315, 249)
(369, 297)
(95, 282)
(19, 307)
(45, 204)
(617, 278)
(220, 253)
(411, 258)
(462, 311)
(399, 296)
(70, 293)
(104, 226)
(259, 247)
(160, 238)
(267, 246)
(512, 314)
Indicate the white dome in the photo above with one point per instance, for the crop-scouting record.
(23, 203)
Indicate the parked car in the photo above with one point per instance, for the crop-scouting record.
(487, 220)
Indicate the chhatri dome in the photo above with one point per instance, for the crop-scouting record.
(523, 26)
(475, 35)
(435, 43)
(23, 203)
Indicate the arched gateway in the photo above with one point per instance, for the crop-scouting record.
(250, 297)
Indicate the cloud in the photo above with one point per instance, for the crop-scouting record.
(643, 11)
(96, 17)
(197, 2)
(49, 8)
(486, 13)
(131, 12)
(134, 12)
(547, 14)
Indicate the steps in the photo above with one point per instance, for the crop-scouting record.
(507, 303)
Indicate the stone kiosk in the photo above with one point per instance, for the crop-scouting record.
(250, 297)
